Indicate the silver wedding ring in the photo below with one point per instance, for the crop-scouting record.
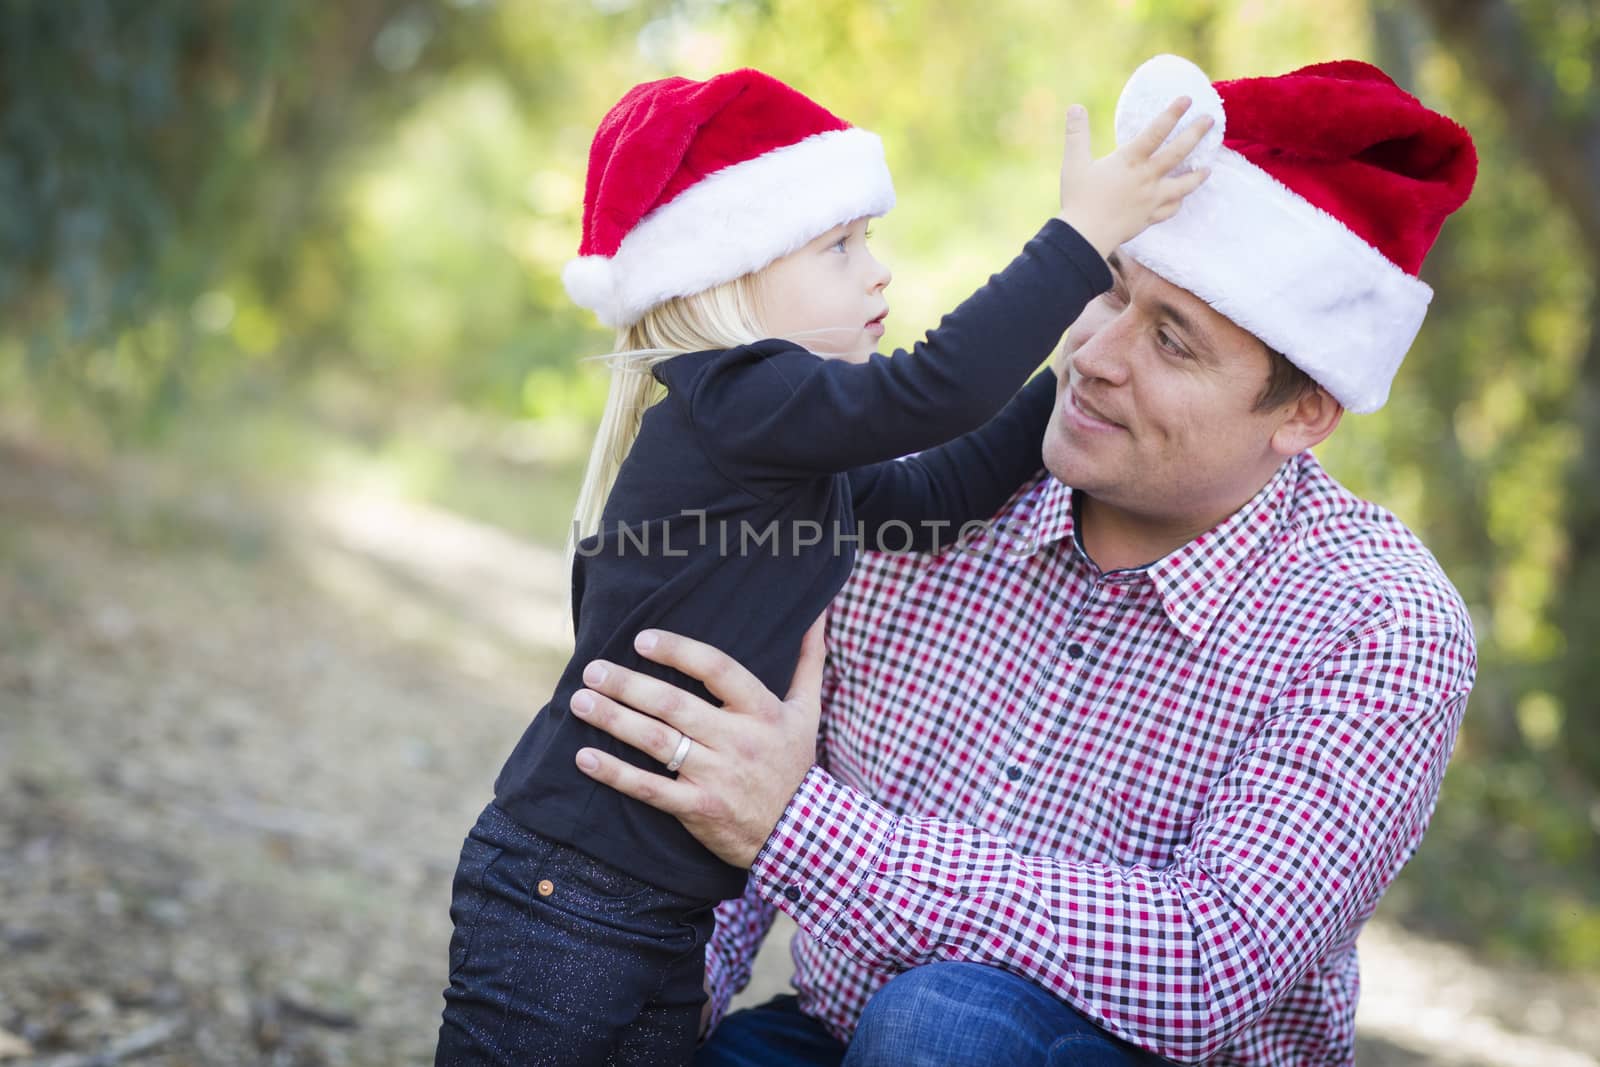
(684, 745)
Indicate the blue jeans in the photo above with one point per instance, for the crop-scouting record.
(558, 958)
(946, 1014)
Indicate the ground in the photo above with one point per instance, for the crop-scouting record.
(243, 730)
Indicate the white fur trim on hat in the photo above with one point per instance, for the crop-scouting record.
(1292, 275)
(1277, 265)
(735, 221)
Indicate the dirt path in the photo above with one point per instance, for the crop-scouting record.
(241, 736)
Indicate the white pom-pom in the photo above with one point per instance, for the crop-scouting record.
(1152, 87)
(592, 284)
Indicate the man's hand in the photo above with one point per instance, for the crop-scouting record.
(747, 757)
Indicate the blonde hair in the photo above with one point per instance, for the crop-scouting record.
(723, 316)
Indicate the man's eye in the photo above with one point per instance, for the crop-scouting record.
(1167, 341)
(1116, 297)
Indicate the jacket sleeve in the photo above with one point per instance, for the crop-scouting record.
(771, 412)
(1302, 831)
(921, 503)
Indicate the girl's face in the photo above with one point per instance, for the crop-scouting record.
(828, 295)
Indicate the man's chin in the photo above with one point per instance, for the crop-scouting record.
(1062, 472)
(1093, 475)
(1064, 458)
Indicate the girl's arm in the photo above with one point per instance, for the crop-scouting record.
(772, 412)
(921, 503)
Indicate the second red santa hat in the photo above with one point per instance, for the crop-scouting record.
(1328, 186)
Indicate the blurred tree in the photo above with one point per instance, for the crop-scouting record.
(149, 151)
(1479, 451)
(1538, 59)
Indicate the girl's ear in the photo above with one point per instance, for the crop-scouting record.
(1309, 421)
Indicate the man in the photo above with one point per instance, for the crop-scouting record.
(1123, 780)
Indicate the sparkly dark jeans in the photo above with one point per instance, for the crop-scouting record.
(558, 958)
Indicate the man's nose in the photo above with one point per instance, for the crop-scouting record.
(1104, 355)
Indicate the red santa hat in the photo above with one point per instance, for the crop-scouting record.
(1328, 186)
(696, 183)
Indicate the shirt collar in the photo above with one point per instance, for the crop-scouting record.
(674, 372)
(1052, 519)
(1194, 581)
(1197, 580)
(678, 370)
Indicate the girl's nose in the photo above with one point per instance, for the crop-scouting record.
(881, 274)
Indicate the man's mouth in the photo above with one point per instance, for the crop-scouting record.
(1088, 410)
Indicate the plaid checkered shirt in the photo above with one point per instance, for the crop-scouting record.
(1170, 795)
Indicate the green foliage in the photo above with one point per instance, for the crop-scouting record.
(165, 165)
(1474, 452)
(108, 109)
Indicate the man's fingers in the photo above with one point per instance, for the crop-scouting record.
(650, 695)
(736, 687)
(651, 736)
(806, 688)
(1177, 150)
(673, 796)
(1150, 138)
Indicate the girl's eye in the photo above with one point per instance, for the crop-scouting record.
(867, 234)
(838, 246)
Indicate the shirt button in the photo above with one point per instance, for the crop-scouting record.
(1013, 773)
(792, 892)
(1075, 650)
(546, 887)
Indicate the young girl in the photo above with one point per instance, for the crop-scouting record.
(724, 236)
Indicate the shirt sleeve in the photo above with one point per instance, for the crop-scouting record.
(772, 412)
(921, 503)
(1302, 831)
(741, 925)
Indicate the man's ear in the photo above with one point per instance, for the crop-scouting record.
(1307, 422)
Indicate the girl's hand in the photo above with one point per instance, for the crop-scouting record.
(746, 758)
(1111, 200)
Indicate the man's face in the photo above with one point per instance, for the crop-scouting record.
(828, 296)
(1154, 410)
